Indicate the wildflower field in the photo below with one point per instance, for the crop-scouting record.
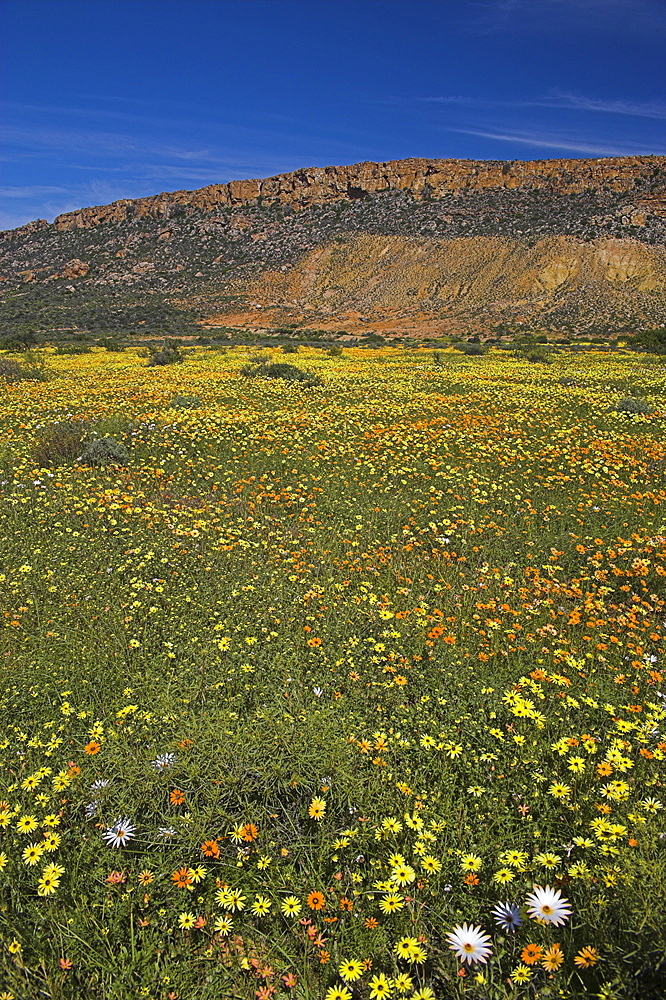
(340, 691)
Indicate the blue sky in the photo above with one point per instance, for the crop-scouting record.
(107, 99)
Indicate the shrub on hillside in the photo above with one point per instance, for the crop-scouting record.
(185, 402)
(70, 441)
(473, 350)
(18, 341)
(60, 443)
(73, 349)
(534, 354)
(168, 354)
(290, 348)
(103, 451)
(633, 404)
(30, 371)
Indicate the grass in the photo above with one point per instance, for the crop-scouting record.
(318, 677)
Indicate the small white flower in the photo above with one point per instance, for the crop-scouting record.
(548, 905)
(470, 944)
(119, 834)
(163, 761)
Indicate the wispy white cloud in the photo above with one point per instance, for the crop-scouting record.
(544, 141)
(496, 16)
(30, 191)
(563, 100)
(580, 102)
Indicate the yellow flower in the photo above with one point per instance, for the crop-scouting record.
(261, 906)
(521, 974)
(317, 809)
(380, 987)
(351, 970)
(471, 863)
(391, 903)
(32, 854)
(338, 993)
(47, 885)
(291, 906)
(403, 874)
(27, 824)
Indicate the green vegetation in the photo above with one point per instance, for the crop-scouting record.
(321, 687)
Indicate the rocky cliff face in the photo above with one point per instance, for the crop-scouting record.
(422, 178)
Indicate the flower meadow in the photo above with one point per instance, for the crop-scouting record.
(346, 691)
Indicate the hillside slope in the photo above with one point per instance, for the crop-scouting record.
(408, 246)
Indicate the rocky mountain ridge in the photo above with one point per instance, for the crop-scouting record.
(423, 178)
(433, 245)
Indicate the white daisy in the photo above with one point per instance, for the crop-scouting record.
(470, 943)
(548, 905)
(118, 834)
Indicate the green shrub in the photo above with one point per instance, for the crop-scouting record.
(111, 344)
(534, 354)
(32, 371)
(289, 373)
(18, 341)
(185, 403)
(103, 451)
(438, 358)
(73, 349)
(335, 351)
(166, 356)
(474, 350)
(290, 348)
(60, 443)
(633, 404)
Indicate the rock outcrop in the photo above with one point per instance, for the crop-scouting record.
(423, 178)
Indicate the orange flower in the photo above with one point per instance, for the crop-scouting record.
(182, 878)
(92, 748)
(249, 832)
(316, 900)
(346, 904)
(552, 958)
(586, 958)
(531, 953)
(314, 642)
(176, 798)
(471, 879)
(210, 849)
